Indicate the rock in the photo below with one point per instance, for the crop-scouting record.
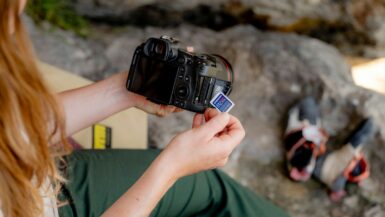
(375, 211)
(337, 212)
(346, 23)
(351, 202)
(65, 50)
(121, 9)
(278, 13)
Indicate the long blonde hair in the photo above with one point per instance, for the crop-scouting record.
(29, 119)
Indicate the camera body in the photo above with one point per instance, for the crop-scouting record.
(167, 74)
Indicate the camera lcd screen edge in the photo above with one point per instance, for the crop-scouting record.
(154, 79)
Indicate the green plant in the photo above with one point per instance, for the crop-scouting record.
(59, 13)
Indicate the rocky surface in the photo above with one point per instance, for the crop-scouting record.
(65, 49)
(273, 71)
(343, 23)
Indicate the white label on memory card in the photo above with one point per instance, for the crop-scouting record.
(221, 102)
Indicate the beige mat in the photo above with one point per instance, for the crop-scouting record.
(129, 128)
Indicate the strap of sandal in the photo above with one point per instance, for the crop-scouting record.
(317, 150)
(358, 160)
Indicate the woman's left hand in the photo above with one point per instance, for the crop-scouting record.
(145, 105)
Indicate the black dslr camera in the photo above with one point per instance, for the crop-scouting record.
(167, 74)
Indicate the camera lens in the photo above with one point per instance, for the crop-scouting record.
(182, 91)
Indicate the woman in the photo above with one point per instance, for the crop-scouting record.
(34, 123)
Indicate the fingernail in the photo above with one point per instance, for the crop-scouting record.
(202, 117)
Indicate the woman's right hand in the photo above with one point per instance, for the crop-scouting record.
(207, 145)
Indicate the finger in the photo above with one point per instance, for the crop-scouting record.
(160, 110)
(234, 132)
(210, 113)
(170, 109)
(163, 110)
(147, 105)
(215, 125)
(198, 120)
(178, 110)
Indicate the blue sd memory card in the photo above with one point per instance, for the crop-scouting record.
(221, 102)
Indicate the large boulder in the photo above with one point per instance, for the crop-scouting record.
(358, 21)
(273, 71)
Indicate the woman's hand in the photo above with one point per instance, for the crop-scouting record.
(106, 98)
(206, 146)
(152, 108)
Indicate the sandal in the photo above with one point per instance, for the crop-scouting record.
(345, 165)
(304, 139)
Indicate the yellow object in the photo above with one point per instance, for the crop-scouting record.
(101, 137)
(129, 128)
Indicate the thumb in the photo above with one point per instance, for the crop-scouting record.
(214, 125)
(198, 120)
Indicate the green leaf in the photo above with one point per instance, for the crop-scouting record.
(59, 13)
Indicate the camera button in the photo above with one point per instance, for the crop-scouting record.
(182, 69)
(180, 76)
(181, 60)
(187, 78)
(182, 91)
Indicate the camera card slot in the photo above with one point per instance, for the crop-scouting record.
(205, 87)
(209, 91)
(199, 85)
